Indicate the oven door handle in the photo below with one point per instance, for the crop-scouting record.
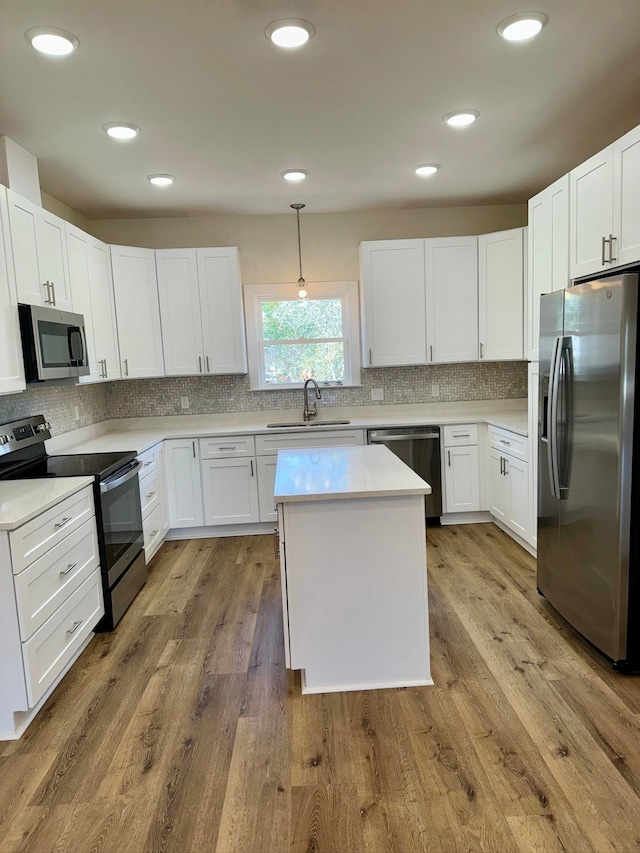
(381, 439)
(120, 477)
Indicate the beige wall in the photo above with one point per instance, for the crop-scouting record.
(268, 243)
(67, 213)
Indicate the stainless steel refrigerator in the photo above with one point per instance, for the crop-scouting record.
(588, 502)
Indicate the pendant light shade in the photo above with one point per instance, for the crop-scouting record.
(302, 284)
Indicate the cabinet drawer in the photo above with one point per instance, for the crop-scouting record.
(273, 442)
(152, 529)
(460, 436)
(508, 442)
(149, 491)
(53, 645)
(227, 446)
(37, 536)
(149, 460)
(46, 584)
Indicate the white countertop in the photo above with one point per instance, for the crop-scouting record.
(139, 434)
(329, 473)
(22, 500)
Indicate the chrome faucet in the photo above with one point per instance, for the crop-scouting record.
(308, 413)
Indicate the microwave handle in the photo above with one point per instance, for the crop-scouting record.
(75, 334)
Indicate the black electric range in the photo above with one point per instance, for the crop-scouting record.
(116, 497)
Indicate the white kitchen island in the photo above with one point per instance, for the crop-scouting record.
(354, 568)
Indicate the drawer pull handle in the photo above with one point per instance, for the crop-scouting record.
(75, 627)
(64, 521)
(150, 495)
(154, 533)
(146, 464)
(504, 441)
(461, 435)
(69, 568)
(227, 448)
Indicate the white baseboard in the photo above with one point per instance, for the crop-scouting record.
(466, 518)
(220, 530)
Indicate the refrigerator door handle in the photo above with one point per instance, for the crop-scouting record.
(566, 413)
(552, 417)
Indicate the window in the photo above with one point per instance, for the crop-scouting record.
(291, 339)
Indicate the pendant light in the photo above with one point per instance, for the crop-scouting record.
(302, 284)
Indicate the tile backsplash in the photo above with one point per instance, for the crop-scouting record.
(211, 394)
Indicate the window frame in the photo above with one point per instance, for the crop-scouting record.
(346, 291)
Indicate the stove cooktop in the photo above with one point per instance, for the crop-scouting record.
(99, 465)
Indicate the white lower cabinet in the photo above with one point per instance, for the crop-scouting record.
(50, 602)
(509, 499)
(184, 487)
(461, 468)
(153, 499)
(230, 491)
(534, 374)
(266, 483)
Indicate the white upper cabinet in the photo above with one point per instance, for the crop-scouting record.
(605, 208)
(501, 294)
(201, 311)
(393, 294)
(180, 311)
(92, 291)
(222, 316)
(548, 256)
(626, 198)
(591, 215)
(39, 254)
(137, 311)
(452, 299)
(11, 364)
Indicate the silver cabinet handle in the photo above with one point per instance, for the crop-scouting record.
(449, 458)
(69, 568)
(276, 543)
(53, 290)
(251, 461)
(146, 464)
(75, 627)
(221, 449)
(612, 258)
(199, 364)
(154, 533)
(126, 367)
(150, 495)
(604, 243)
(193, 444)
(47, 285)
(504, 441)
(481, 350)
(206, 361)
(106, 372)
(430, 352)
(64, 521)
(501, 466)
(506, 469)
(370, 359)
(461, 435)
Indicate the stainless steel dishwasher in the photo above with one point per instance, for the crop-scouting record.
(419, 448)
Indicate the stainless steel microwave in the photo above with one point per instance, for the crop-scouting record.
(54, 344)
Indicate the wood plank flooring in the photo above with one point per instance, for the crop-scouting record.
(182, 731)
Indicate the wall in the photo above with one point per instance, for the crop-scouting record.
(268, 242)
(56, 403)
(211, 394)
(268, 253)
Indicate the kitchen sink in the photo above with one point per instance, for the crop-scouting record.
(298, 424)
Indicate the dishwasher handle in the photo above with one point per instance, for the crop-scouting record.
(382, 439)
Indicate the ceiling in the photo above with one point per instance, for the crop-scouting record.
(225, 111)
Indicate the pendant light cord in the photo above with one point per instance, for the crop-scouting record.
(299, 246)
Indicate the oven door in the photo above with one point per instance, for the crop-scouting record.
(121, 521)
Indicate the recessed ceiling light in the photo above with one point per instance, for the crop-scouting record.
(161, 180)
(290, 33)
(121, 130)
(523, 26)
(294, 175)
(52, 41)
(426, 169)
(461, 118)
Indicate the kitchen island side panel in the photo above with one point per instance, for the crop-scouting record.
(357, 592)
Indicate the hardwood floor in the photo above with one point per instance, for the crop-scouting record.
(183, 731)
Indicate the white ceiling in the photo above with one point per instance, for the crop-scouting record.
(225, 111)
